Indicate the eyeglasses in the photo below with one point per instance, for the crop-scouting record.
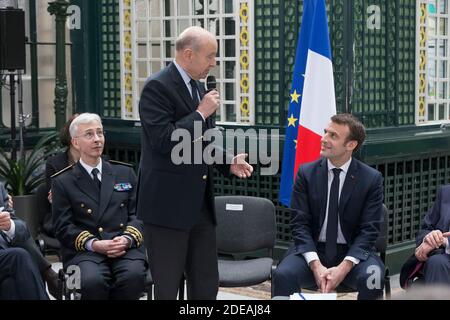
(89, 135)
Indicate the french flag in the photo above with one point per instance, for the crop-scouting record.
(312, 101)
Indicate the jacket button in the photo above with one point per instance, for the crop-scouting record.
(121, 225)
(205, 177)
(89, 211)
(100, 229)
(82, 205)
(122, 205)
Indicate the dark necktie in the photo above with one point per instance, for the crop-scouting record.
(97, 182)
(195, 92)
(332, 223)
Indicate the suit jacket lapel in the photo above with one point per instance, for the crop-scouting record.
(181, 87)
(108, 180)
(322, 189)
(85, 183)
(349, 185)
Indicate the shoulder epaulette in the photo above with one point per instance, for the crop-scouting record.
(122, 163)
(63, 170)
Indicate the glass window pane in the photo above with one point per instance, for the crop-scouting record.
(441, 111)
(443, 6)
(230, 112)
(432, 6)
(443, 69)
(156, 50)
(169, 8)
(141, 8)
(230, 26)
(142, 29)
(443, 26)
(229, 91)
(169, 29)
(430, 112)
(431, 66)
(156, 66)
(432, 26)
(198, 7)
(230, 48)
(214, 26)
(228, 6)
(142, 51)
(432, 47)
(155, 29)
(182, 24)
(183, 7)
(169, 49)
(142, 69)
(432, 89)
(213, 6)
(155, 9)
(230, 67)
(443, 90)
(443, 47)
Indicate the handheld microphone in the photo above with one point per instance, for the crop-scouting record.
(211, 83)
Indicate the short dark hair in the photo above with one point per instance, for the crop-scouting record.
(357, 130)
(64, 133)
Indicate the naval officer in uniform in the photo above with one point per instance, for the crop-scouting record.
(94, 218)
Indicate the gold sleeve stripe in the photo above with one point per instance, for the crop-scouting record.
(135, 233)
(80, 241)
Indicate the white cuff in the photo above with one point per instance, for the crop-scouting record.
(352, 259)
(310, 256)
(12, 231)
(201, 115)
(89, 244)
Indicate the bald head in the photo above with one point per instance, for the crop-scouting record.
(196, 50)
(193, 38)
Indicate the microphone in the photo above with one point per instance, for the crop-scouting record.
(211, 83)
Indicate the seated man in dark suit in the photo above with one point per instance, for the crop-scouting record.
(336, 214)
(94, 218)
(27, 243)
(19, 276)
(432, 245)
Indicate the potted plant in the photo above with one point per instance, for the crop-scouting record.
(22, 176)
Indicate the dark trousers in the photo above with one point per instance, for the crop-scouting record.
(293, 273)
(437, 270)
(112, 279)
(174, 252)
(19, 277)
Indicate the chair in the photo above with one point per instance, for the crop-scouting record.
(244, 225)
(46, 242)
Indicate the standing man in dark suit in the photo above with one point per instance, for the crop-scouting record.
(176, 202)
(336, 214)
(94, 218)
(20, 278)
(432, 245)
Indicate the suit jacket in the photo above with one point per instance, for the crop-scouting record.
(21, 231)
(360, 207)
(438, 217)
(171, 195)
(81, 213)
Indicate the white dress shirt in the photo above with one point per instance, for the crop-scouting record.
(312, 255)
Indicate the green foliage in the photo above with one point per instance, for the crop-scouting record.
(21, 176)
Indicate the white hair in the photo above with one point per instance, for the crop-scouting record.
(83, 118)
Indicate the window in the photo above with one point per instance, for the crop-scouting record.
(148, 32)
(432, 62)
